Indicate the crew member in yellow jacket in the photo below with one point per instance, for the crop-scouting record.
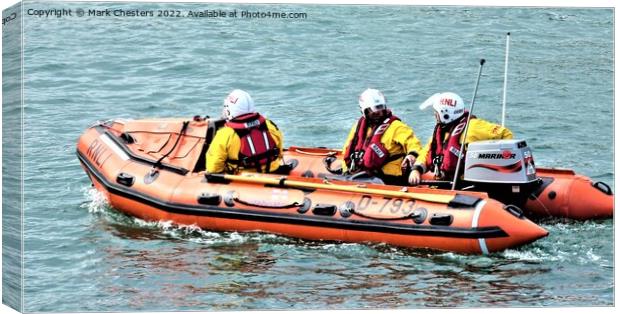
(379, 143)
(440, 155)
(247, 140)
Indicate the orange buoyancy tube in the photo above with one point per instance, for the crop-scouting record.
(468, 223)
(566, 194)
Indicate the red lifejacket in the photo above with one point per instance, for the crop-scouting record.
(443, 154)
(367, 152)
(258, 147)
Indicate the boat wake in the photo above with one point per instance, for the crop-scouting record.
(96, 201)
(195, 234)
(169, 228)
(554, 249)
(534, 255)
(563, 247)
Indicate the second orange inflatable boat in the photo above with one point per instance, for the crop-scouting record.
(554, 193)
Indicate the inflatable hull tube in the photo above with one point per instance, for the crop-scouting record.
(150, 178)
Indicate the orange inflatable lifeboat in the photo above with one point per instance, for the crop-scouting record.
(154, 170)
(552, 193)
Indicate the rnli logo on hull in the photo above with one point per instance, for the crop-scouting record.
(98, 152)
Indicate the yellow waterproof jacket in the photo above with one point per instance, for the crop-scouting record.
(399, 138)
(479, 130)
(226, 145)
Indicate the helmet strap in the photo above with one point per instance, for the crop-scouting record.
(449, 124)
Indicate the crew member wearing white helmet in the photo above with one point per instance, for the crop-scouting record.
(247, 140)
(440, 155)
(379, 143)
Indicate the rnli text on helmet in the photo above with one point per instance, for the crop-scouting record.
(448, 102)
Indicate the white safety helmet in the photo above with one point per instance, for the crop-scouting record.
(238, 103)
(372, 99)
(449, 106)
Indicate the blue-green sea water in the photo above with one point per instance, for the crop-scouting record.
(306, 75)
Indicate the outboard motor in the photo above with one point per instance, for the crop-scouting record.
(503, 168)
